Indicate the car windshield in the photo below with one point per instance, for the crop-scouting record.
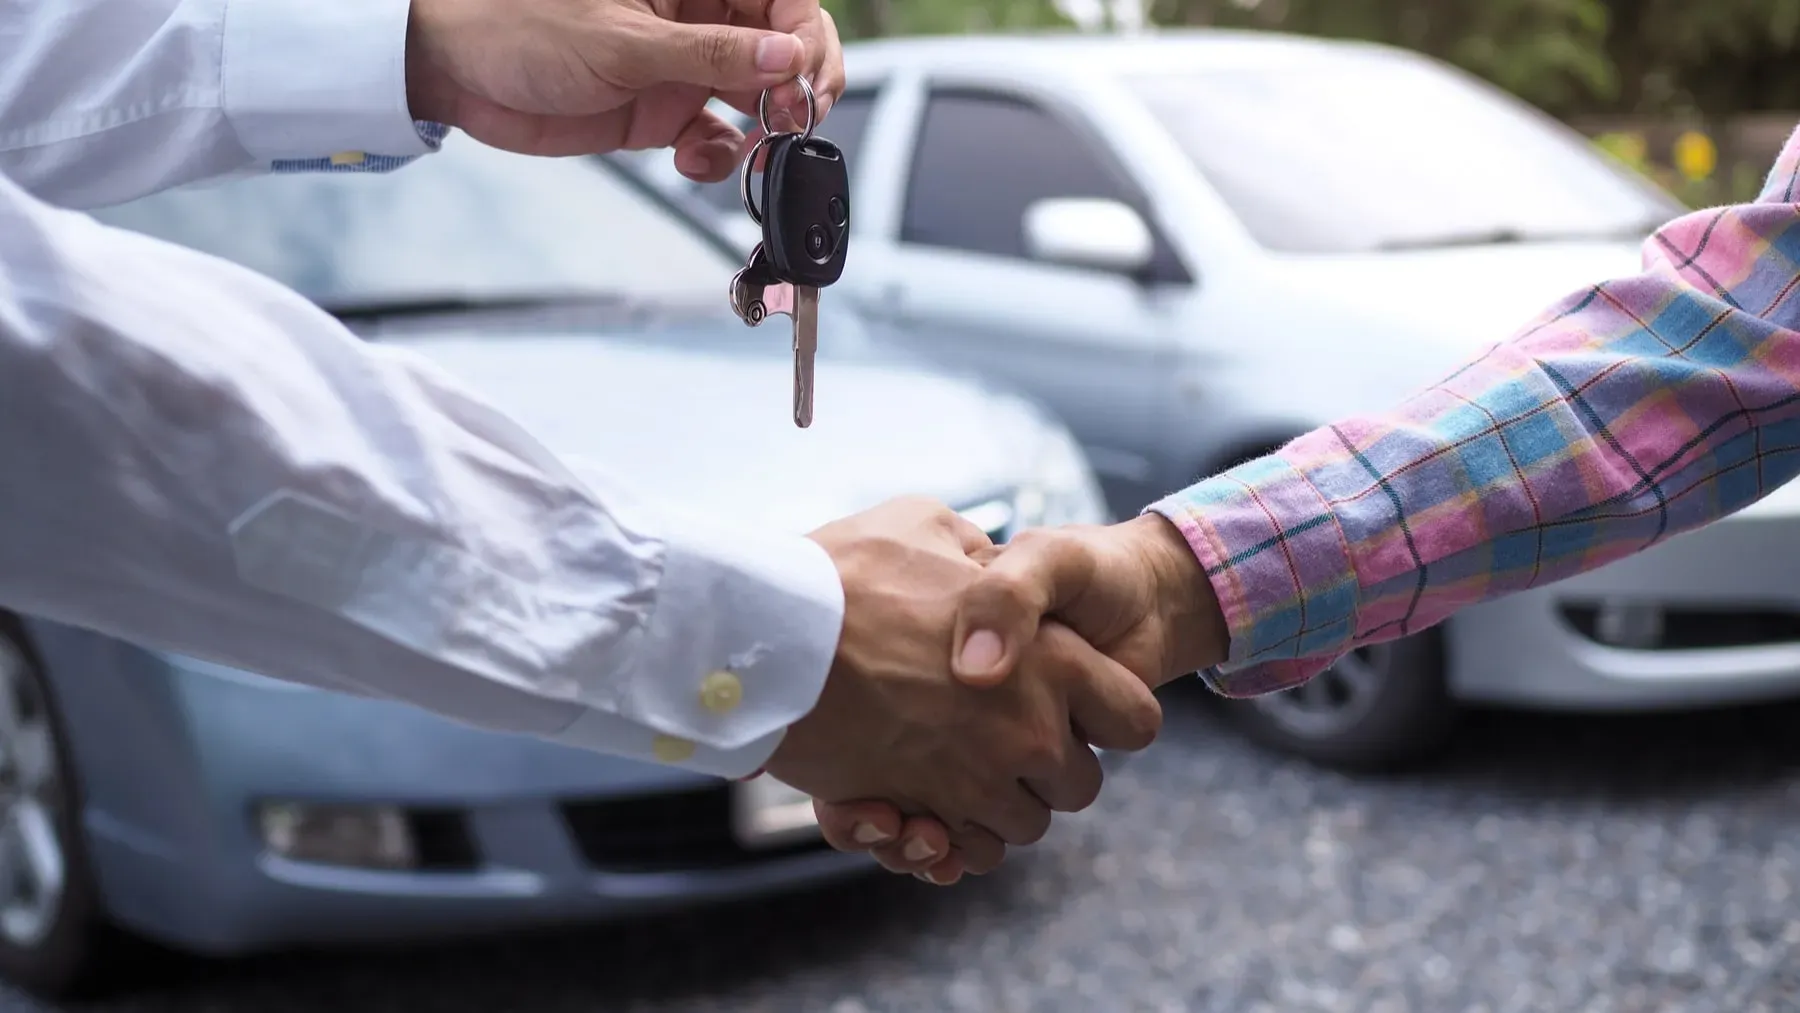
(464, 228)
(1366, 150)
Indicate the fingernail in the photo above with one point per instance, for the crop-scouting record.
(926, 878)
(981, 651)
(824, 106)
(917, 850)
(777, 52)
(869, 833)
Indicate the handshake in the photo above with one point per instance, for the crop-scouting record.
(973, 682)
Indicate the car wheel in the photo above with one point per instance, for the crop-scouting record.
(1382, 706)
(52, 935)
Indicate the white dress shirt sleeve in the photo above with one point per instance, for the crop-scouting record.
(102, 101)
(196, 459)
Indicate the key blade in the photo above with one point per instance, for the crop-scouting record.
(806, 347)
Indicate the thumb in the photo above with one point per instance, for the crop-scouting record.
(1036, 574)
(720, 57)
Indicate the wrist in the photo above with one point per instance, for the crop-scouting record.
(430, 93)
(1191, 617)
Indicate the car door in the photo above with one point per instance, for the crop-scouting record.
(952, 278)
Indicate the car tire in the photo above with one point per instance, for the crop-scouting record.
(57, 946)
(1383, 707)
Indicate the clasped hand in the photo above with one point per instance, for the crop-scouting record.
(972, 683)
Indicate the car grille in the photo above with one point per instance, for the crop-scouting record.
(443, 841)
(665, 832)
(1689, 629)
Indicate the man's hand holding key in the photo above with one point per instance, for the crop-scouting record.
(805, 219)
(578, 77)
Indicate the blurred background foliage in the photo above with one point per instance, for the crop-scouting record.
(1569, 56)
(1644, 76)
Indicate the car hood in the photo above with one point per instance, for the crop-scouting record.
(718, 430)
(1465, 298)
(1376, 328)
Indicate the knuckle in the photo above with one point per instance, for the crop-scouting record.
(1089, 791)
(1032, 743)
(1046, 752)
(1007, 589)
(714, 49)
(1034, 827)
(1144, 725)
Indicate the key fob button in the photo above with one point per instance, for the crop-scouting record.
(818, 244)
(839, 213)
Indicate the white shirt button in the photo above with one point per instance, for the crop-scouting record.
(721, 692)
(669, 749)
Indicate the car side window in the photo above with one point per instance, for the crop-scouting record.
(846, 126)
(983, 158)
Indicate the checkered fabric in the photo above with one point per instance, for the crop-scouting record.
(1627, 413)
(433, 133)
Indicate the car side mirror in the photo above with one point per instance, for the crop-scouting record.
(1097, 233)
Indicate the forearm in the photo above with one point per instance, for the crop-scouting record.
(200, 461)
(105, 100)
(1629, 413)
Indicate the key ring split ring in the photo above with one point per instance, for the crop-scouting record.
(762, 115)
(812, 108)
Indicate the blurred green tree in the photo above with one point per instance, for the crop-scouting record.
(1683, 57)
(868, 19)
(1552, 52)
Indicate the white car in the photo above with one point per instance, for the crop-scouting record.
(1194, 246)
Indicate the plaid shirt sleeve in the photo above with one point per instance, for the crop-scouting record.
(1627, 413)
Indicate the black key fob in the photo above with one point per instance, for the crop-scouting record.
(806, 210)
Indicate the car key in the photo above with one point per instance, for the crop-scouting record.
(756, 295)
(805, 238)
(805, 218)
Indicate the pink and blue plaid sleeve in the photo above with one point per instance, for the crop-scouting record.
(432, 134)
(1629, 412)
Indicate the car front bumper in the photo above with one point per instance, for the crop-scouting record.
(1710, 617)
(516, 832)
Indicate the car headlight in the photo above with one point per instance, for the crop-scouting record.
(1060, 488)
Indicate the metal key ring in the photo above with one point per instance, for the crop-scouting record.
(812, 108)
(744, 179)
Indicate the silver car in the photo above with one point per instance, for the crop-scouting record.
(219, 811)
(1194, 246)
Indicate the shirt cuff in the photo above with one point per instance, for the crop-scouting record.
(597, 731)
(1279, 566)
(740, 641)
(305, 80)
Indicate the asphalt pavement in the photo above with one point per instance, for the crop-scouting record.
(1589, 865)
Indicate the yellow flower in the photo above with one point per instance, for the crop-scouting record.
(1695, 155)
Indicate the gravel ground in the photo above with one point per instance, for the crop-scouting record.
(1549, 864)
